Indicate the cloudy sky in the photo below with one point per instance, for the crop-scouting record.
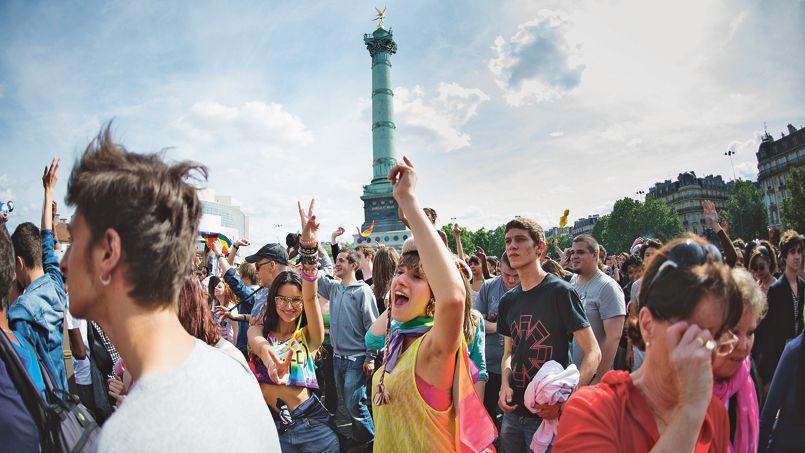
(506, 108)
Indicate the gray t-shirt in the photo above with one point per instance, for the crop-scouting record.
(487, 302)
(352, 311)
(602, 298)
(209, 403)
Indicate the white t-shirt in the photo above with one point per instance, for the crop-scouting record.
(81, 367)
(209, 403)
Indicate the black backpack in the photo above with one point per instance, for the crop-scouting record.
(65, 425)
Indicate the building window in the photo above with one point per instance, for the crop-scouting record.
(396, 238)
(386, 238)
(405, 237)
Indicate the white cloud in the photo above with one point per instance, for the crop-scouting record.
(556, 134)
(252, 122)
(442, 116)
(538, 63)
(737, 22)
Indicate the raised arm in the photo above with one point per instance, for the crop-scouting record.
(437, 262)
(711, 217)
(481, 254)
(234, 251)
(457, 237)
(50, 263)
(309, 251)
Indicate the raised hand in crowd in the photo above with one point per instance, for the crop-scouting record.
(711, 215)
(336, 233)
(49, 183)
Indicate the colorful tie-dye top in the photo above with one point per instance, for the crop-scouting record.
(303, 369)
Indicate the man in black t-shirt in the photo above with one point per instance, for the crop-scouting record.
(538, 319)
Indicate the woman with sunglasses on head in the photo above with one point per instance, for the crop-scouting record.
(734, 385)
(283, 358)
(687, 307)
(423, 395)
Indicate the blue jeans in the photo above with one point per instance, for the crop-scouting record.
(351, 384)
(516, 432)
(312, 429)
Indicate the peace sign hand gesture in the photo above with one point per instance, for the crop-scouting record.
(310, 224)
(278, 370)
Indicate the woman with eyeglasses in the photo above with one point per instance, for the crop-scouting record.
(688, 305)
(734, 385)
(283, 359)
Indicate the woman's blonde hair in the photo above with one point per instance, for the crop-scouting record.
(752, 296)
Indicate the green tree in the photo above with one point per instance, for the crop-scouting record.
(745, 211)
(793, 208)
(630, 219)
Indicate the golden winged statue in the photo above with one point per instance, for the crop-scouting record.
(380, 16)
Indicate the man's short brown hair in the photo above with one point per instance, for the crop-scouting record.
(534, 229)
(592, 244)
(149, 204)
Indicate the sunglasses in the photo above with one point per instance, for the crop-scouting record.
(684, 255)
(257, 266)
(294, 302)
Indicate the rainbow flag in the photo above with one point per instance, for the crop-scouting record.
(367, 232)
(210, 238)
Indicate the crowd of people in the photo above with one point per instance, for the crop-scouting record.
(687, 345)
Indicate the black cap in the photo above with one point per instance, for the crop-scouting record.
(272, 252)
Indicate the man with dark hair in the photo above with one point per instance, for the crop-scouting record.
(487, 302)
(365, 266)
(18, 429)
(133, 236)
(38, 313)
(353, 309)
(603, 301)
(786, 301)
(538, 319)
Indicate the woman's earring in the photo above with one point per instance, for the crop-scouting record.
(105, 282)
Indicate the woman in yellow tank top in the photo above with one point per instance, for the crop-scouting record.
(423, 394)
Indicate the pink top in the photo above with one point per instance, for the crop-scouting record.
(436, 398)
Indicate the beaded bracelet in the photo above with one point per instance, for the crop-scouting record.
(309, 277)
(305, 243)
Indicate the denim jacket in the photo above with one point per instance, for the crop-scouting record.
(38, 314)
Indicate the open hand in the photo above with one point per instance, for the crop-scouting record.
(49, 176)
(710, 214)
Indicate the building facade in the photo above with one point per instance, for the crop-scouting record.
(775, 160)
(220, 215)
(584, 226)
(379, 206)
(686, 194)
(556, 232)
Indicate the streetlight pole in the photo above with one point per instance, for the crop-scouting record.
(729, 154)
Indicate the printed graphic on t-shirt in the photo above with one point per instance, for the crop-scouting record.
(535, 336)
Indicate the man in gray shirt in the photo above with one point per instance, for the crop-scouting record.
(603, 302)
(487, 302)
(352, 311)
(133, 236)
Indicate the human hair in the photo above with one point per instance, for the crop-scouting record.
(353, 257)
(270, 317)
(649, 243)
(6, 264)
(149, 204)
(195, 315)
(552, 267)
(533, 228)
(592, 245)
(764, 250)
(366, 250)
(631, 260)
(602, 252)
(229, 296)
(27, 242)
(791, 240)
(248, 271)
(753, 298)
(474, 260)
(383, 266)
(505, 260)
(676, 294)
(431, 214)
(492, 262)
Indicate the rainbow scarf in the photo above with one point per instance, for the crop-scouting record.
(475, 431)
(211, 238)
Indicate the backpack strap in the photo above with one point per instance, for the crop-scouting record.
(30, 395)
